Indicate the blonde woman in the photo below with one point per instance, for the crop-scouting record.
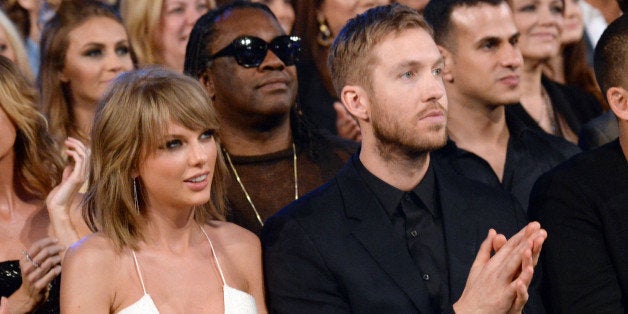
(159, 29)
(156, 199)
(12, 47)
(37, 219)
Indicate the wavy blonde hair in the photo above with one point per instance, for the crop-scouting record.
(141, 18)
(38, 165)
(130, 124)
(15, 40)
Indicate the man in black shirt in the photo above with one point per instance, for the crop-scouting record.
(478, 40)
(394, 232)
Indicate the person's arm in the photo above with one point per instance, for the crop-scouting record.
(40, 265)
(4, 306)
(64, 200)
(499, 283)
(578, 272)
(86, 280)
(297, 279)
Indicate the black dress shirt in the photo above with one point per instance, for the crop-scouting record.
(417, 220)
(529, 154)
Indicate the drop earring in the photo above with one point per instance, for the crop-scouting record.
(324, 37)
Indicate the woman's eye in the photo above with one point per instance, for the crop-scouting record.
(437, 72)
(208, 134)
(528, 8)
(557, 8)
(176, 10)
(122, 50)
(172, 144)
(3, 47)
(202, 7)
(93, 53)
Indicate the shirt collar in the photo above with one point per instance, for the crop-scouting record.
(389, 196)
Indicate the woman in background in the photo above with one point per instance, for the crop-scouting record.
(37, 219)
(11, 46)
(25, 16)
(84, 47)
(283, 10)
(317, 23)
(159, 29)
(570, 65)
(547, 105)
(156, 198)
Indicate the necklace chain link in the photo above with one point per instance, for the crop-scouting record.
(246, 194)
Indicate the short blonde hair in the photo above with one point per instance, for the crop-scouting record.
(15, 40)
(130, 123)
(38, 165)
(351, 56)
(141, 18)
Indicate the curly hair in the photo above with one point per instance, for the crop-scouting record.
(37, 161)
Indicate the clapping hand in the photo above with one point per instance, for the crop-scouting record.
(499, 283)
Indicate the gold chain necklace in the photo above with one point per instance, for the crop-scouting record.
(246, 194)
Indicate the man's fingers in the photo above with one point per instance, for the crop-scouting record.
(499, 241)
(484, 254)
(537, 245)
(521, 297)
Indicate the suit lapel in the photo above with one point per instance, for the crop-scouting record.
(460, 229)
(374, 231)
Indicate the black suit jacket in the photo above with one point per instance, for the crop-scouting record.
(335, 250)
(583, 205)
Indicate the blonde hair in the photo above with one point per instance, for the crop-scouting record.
(351, 56)
(15, 40)
(130, 124)
(141, 19)
(37, 162)
(55, 95)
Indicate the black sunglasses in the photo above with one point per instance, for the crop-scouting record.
(250, 51)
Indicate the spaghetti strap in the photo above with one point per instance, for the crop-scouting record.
(224, 283)
(139, 272)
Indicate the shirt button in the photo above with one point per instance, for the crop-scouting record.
(426, 277)
(414, 233)
(407, 197)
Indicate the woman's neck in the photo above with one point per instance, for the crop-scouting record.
(531, 78)
(172, 230)
(83, 117)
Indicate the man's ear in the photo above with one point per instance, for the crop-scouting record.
(448, 64)
(618, 101)
(356, 101)
(207, 81)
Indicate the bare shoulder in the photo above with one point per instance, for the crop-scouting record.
(235, 239)
(94, 251)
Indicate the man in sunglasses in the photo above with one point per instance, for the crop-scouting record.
(394, 231)
(247, 63)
